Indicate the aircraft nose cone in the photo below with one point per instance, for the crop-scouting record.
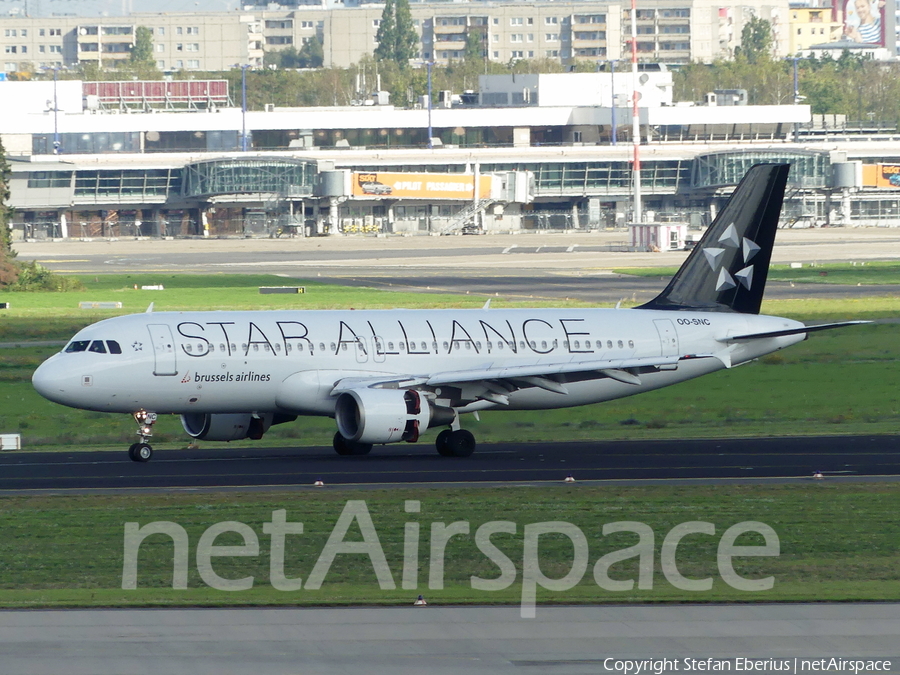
(50, 382)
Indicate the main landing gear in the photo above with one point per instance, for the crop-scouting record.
(455, 443)
(344, 447)
(142, 451)
(449, 443)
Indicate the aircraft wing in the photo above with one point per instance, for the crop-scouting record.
(494, 384)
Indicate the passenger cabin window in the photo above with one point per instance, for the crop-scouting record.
(77, 346)
(98, 347)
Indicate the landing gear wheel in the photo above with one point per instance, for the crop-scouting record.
(461, 443)
(344, 447)
(140, 452)
(442, 443)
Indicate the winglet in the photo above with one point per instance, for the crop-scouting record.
(487, 305)
(149, 309)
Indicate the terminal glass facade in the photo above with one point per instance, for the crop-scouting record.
(242, 176)
(128, 185)
(808, 169)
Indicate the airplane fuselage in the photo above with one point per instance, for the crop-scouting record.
(290, 361)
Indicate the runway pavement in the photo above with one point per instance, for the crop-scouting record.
(525, 266)
(781, 639)
(516, 463)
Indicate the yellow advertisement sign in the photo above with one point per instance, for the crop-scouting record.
(419, 185)
(881, 175)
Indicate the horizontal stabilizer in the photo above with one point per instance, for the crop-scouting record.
(790, 331)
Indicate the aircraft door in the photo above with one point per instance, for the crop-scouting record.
(361, 350)
(163, 349)
(668, 338)
(377, 349)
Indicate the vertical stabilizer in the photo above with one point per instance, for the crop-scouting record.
(727, 270)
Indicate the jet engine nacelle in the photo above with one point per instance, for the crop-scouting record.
(386, 415)
(226, 427)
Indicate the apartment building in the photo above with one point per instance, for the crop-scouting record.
(190, 41)
(670, 31)
(813, 26)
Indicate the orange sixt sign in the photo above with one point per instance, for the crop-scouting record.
(881, 175)
(419, 185)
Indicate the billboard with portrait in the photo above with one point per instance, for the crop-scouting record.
(864, 21)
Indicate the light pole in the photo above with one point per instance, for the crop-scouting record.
(429, 64)
(56, 143)
(57, 146)
(244, 67)
(635, 117)
(796, 82)
(612, 88)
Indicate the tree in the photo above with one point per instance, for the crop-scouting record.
(311, 54)
(407, 40)
(386, 36)
(143, 47)
(9, 271)
(474, 50)
(756, 41)
(397, 38)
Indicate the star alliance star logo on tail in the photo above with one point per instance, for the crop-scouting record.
(714, 256)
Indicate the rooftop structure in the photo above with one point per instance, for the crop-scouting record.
(368, 169)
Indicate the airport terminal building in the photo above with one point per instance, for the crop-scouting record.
(527, 153)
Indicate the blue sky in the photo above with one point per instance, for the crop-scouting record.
(110, 7)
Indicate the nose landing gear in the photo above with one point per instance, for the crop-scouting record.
(142, 450)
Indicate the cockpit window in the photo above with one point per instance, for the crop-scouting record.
(98, 347)
(77, 346)
(114, 347)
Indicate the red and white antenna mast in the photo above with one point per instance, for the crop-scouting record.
(635, 118)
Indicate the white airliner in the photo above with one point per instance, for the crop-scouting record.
(388, 375)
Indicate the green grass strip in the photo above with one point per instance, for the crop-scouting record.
(838, 542)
